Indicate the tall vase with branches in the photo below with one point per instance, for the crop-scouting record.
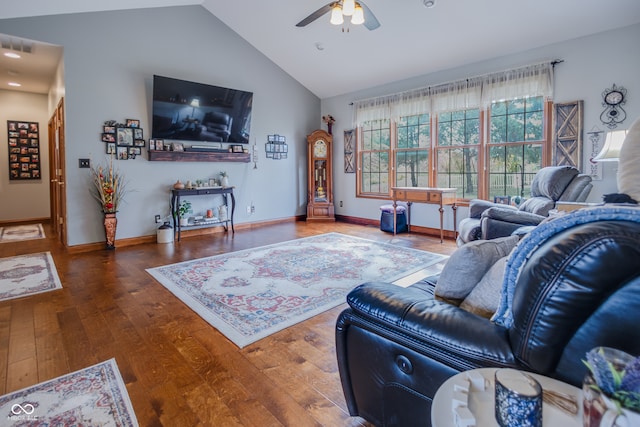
(108, 188)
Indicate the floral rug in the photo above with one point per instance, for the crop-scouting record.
(95, 396)
(27, 275)
(250, 294)
(21, 232)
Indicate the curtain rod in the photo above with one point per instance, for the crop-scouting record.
(553, 64)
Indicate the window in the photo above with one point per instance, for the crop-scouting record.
(374, 154)
(412, 151)
(516, 145)
(485, 136)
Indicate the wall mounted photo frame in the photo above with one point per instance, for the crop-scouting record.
(24, 150)
(133, 123)
(124, 136)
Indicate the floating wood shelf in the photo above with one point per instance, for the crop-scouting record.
(197, 156)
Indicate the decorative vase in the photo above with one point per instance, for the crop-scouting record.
(225, 181)
(329, 128)
(110, 224)
(222, 212)
(599, 410)
(178, 185)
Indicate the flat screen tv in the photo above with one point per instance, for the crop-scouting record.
(188, 111)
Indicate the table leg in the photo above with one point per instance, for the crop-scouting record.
(409, 203)
(394, 215)
(233, 208)
(441, 209)
(454, 207)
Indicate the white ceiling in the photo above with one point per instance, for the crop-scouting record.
(411, 41)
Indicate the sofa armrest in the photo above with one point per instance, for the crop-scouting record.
(478, 206)
(438, 329)
(513, 216)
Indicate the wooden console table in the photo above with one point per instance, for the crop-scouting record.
(224, 191)
(430, 195)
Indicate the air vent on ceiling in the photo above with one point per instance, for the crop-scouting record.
(16, 44)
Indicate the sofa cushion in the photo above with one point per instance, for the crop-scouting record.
(551, 181)
(469, 263)
(484, 298)
(537, 205)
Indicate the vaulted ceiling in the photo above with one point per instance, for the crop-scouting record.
(412, 39)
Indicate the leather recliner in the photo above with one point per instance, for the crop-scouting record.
(578, 289)
(489, 220)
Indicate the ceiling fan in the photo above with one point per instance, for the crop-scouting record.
(359, 12)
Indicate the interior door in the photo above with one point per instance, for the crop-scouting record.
(57, 173)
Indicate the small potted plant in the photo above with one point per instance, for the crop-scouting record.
(611, 389)
(224, 181)
(183, 210)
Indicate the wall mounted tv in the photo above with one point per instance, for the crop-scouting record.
(188, 111)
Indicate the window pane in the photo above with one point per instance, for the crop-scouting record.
(533, 126)
(374, 157)
(458, 128)
(458, 168)
(412, 168)
(512, 168)
(517, 120)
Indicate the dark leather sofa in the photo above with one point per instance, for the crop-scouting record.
(579, 288)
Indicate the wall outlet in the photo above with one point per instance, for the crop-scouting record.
(253, 209)
(84, 163)
(249, 209)
(158, 219)
(340, 203)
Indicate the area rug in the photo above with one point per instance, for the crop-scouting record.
(16, 233)
(95, 396)
(250, 294)
(27, 275)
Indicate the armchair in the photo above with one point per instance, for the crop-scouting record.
(575, 285)
(551, 184)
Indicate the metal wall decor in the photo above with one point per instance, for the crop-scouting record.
(613, 99)
(24, 150)
(595, 168)
(276, 147)
(349, 151)
(123, 140)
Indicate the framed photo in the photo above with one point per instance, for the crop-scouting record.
(138, 142)
(160, 144)
(152, 144)
(503, 200)
(109, 129)
(132, 123)
(108, 137)
(124, 136)
(110, 148)
(237, 149)
(123, 153)
(135, 151)
(23, 149)
(177, 146)
(137, 133)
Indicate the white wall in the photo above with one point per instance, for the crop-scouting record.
(24, 199)
(109, 62)
(591, 64)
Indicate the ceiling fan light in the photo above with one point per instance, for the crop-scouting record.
(336, 15)
(358, 16)
(348, 7)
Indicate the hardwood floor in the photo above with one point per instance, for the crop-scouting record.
(179, 370)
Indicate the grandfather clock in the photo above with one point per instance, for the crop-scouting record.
(320, 177)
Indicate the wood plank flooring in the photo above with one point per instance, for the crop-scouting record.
(179, 370)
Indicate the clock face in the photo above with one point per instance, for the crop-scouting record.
(614, 97)
(320, 148)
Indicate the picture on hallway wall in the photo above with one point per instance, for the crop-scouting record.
(24, 150)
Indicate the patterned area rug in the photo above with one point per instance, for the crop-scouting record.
(21, 232)
(95, 396)
(27, 275)
(250, 294)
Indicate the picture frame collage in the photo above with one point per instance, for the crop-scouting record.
(276, 147)
(123, 140)
(24, 150)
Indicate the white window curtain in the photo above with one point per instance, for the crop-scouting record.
(459, 95)
(534, 80)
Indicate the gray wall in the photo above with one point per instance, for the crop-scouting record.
(591, 64)
(24, 199)
(109, 61)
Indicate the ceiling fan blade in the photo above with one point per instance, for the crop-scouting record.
(370, 20)
(315, 15)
